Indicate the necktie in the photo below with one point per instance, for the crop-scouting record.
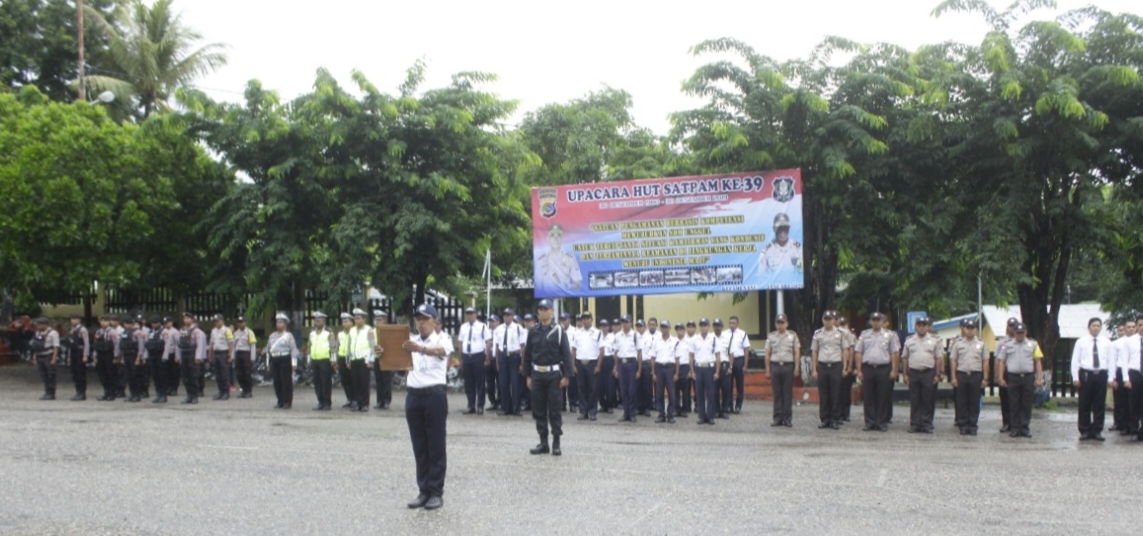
(1095, 352)
(732, 343)
(468, 345)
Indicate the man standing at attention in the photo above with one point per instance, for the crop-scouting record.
(878, 353)
(547, 368)
(1092, 357)
(475, 339)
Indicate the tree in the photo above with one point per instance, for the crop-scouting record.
(1052, 112)
(39, 45)
(150, 55)
(77, 195)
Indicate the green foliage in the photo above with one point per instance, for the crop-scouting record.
(39, 45)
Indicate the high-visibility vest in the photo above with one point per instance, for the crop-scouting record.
(343, 344)
(362, 347)
(319, 345)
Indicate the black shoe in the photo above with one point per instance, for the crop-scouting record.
(480, 411)
(914, 430)
(318, 407)
(78, 397)
(188, 400)
(834, 426)
(518, 414)
(788, 424)
(362, 409)
(556, 446)
(225, 396)
(1098, 437)
(845, 419)
(48, 396)
(710, 422)
(972, 432)
(660, 420)
(883, 428)
(217, 397)
(159, 400)
(469, 411)
(581, 418)
(194, 400)
(1136, 439)
(350, 405)
(776, 424)
(287, 406)
(419, 501)
(607, 411)
(592, 417)
(501, 413)
(247, 394)
(632, 420)
(721, 416)
(134, 399)
(1005, 429)
(737, 410)
(434, 502)
(542, 448)
(869, 428)
(670, 420)
(825, 425)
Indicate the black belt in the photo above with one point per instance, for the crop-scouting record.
(920, 369)
(790, 363)
(830, 364)
(626, 360)
(425, 391)
(481, 354)
(969, 371)
(1093, 371)
(876, 366)
(1021, 374)
(586, 361)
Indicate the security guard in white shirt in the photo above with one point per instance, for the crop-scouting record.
(648, 333)
(738, 348)
(704, 366)
(510, 337)
(1121, 348)
(1129, 359)
(1092, 357)
(666, 371)
(426, 406)
(587, 351)
(723, 386)
(491, 372)
(686, 384)
(629, 367)
(475, 342)
(605, 370)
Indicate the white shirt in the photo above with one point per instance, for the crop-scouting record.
(1127, 358)
(738, 343)
(509, 337)
(665, 350)
(627, 345)
(647, 341)
(723, 346)
(705, 349)
(587, 343)
(429, 370)
(1082, 357)
(473, 337)
(609, 344)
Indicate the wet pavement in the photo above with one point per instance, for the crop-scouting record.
(241, 467)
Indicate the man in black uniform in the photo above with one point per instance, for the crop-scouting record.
(131, 346)
(156, 346)
(547, 367)
(79, 351)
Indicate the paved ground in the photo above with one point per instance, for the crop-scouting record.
(239, 467)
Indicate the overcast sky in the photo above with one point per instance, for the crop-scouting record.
(547, 52)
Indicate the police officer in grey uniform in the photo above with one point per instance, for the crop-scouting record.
(548, 369)
(878, 352)
(849, 379)
(221, 355)
(79, 351)
(1005, 414)
(155, 346)
(828, 348)
(782, 366)
(245, 348)
(922, 358)
(1021, 372)
(45, 346)
(968, 360)
(131, 354)
(191, 354)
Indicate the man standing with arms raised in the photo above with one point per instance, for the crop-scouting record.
(547, 368)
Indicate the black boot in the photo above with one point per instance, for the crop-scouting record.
(218, 396)
(161, 399)
(189, 399)
(79, 396)
(542, 448)
(556, 446)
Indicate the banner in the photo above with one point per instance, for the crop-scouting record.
(717, 233)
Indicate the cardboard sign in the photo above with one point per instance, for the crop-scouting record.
(391, 337)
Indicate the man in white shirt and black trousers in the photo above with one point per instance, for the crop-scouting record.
(426, 406)
(1128, 359)
(548, 369)
(475, 339)
(1092, 357)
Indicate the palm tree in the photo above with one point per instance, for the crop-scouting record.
(151, 54)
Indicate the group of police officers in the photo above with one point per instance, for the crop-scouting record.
(633, 367)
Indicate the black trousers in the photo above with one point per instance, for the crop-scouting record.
(104, 368)
(546, 403)
(1122, 411)
(192, 373)
(739, 370)
(585, 380)
(684, 387)
(646, 388)
(384, 379)
(705, 397)
(78, 372)
(491, 375)
(877, 393)
(323, 381)
(627, 385)
(1021, 393)
(725, 388)
(510, 392)
(847, 383)
(782, 386)
(282, 374)
(1135, 402)
(174, 375)
(346, 379)
(922, 398)
(122, 375)
(472, 366)
(47, 373)
(159, 375)
(1005, 407)
(571, 394)
(244, 370)
(360, 374)
(425, 412)
(136, 375)
(665, 394)
(222, 371)
(606, 384)
(829, 392)
(968, 392)
(1092, 401)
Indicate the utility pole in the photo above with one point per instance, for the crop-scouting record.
(79, 20)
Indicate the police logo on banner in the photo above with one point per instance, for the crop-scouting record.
(548, 202)
(783, 189)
